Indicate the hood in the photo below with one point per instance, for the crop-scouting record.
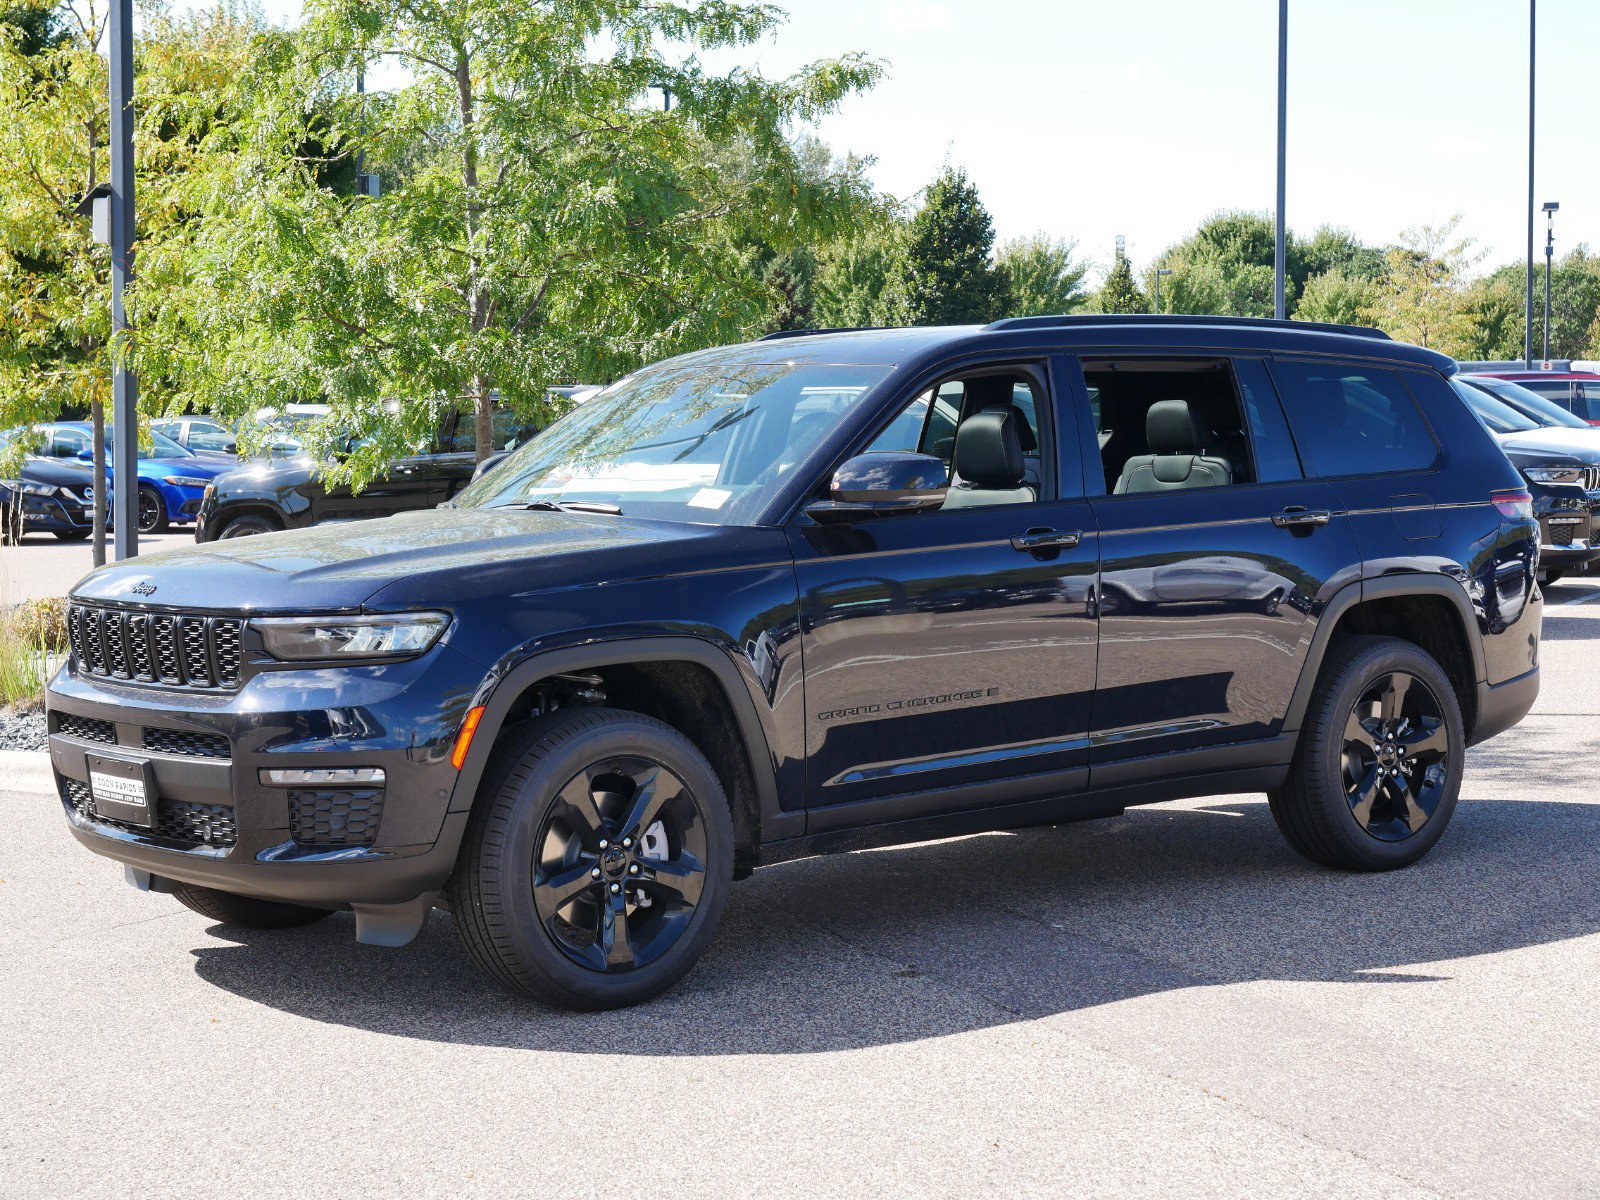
(430, 557)
(194, 468)
(1551, 441)
(62, 472)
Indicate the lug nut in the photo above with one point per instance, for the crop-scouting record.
(595, 873)
(633, 869)
(615, 888)
(627, 843)
(604, 845)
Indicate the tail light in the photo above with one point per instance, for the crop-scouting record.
(1515, 504)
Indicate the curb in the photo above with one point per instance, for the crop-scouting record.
(26, 771)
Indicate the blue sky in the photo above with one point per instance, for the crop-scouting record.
(1086, 119)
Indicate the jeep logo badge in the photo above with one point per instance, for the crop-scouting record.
(145, 588)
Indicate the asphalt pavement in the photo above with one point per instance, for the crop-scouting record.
(40, 565)
(1166, 1003)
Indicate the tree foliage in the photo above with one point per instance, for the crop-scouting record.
(1421, 297)
(1119, 293)
(949, 270)
(1044, 275)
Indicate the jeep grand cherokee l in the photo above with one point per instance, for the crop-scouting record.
(817, 593)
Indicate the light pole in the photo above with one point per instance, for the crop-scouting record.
(124, 386)
(1279, 249)
(1527, 330)
(1550, 207)
(1160, 271)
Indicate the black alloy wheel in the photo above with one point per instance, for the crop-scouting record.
(1396, 757)
(597, 860)
(1378, 764)
(152, 510)
(620, 864)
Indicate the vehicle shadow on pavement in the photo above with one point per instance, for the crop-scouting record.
(896, 945)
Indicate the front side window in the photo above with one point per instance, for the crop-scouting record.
(1354, 420)
(706, 439)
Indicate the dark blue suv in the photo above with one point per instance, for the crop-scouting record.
(816, 593)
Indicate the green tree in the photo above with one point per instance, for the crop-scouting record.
(1331, 249)
(861, 280)
(1119, 293)
(544, 216)
(1422, 296)
(949, 272)
(1336, 297)
(1044, 274)
(1225, 267)
(1574, 302)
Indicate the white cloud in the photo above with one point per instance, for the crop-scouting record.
(917, 18)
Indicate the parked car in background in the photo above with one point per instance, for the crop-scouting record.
(1529, 404)
(738, 610)
(1560, 380)
(290, 493)
(205, 436)
(46, 495)
(171, 479)
(1562, 468)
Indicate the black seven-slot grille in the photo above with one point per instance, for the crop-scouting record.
(176, 820)
(180, 650)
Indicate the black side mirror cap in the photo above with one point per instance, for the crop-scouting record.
(882, 484)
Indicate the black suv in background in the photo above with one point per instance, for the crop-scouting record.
(1562, 468)
(817, 593)
(290, 493)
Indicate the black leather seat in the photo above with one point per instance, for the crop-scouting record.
(989, 463)
(1178, 457)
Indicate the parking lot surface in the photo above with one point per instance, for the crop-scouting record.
(1165, 1003)
(40, 566)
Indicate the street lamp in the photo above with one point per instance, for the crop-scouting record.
(1527, 328)
(1550, 207)
(1280, 255)
(1160, 271)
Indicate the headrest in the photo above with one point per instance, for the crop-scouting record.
(1025, 436)
(1171, 428)
(988, 451)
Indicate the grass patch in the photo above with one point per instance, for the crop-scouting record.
(33, 636)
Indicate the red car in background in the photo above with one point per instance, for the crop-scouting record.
(1574, 385)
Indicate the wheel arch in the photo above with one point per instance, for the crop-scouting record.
(691, 684)
(1430, 611)
(249, 508)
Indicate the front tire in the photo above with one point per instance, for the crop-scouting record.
(248, 526)
(72, 535)
(1376, 775)
(247, 912)
(597, 861)
(153, 516)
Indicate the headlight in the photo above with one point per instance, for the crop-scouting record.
(29, 489)
(187, 481)
(1554, 474)
(315, 639)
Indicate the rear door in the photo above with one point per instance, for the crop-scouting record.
(1208, 594)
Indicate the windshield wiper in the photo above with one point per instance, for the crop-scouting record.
(594, 506)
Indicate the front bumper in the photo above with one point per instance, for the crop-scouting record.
(216, 824)
(1569, 527)
(55, 514)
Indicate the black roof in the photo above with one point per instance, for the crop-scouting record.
(1085, 332)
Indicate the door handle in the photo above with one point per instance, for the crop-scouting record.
(1298, 517)
(1047, 539)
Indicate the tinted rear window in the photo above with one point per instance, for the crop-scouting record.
(1353, 420)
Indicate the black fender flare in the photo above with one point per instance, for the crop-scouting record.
(1382, 587)
(503, 686)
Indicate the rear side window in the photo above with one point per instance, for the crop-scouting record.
(1353, 420)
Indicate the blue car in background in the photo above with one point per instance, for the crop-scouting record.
(171, 479)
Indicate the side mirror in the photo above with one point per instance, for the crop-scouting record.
(881, 484)
(488, 464)
(86, 455)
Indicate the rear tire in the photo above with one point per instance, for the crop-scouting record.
(1378, 768)
(597, 862)
(247, 912)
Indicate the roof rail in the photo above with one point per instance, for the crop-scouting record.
(780, 334)
(1069, 319)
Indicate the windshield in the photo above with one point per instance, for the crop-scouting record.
(1530, 403)
(703, 439)
(1501, 418)
(161, 446)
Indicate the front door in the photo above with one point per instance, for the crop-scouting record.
(1217, 554)
(957, 647)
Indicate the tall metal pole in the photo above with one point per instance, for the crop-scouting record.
(124, 387)
(1527, 332)
(1279, 251)
(1549, 252)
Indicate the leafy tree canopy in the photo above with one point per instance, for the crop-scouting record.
(1044, 275)
(950, 275)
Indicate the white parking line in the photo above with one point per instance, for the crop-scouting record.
(1590, 598)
